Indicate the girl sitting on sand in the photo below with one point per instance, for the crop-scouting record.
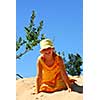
(51, 73)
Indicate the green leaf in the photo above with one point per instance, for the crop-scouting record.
(43, 36)
(28, 46)
(27, 30)
(20, 40)
(17, 45)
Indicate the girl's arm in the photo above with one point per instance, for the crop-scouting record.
(39, 76)
(64, 74)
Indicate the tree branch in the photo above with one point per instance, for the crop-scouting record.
(21, 54)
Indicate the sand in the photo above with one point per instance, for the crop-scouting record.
(25, 91)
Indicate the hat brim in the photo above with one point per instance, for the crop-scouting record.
(46, 48)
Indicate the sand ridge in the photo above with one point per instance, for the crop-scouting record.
(25, 91)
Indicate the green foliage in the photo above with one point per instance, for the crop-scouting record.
(73, 64)
(33, 36)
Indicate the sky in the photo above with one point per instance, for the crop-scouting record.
(63, 23)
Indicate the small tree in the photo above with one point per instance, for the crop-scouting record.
(73, 64)
(33, 37)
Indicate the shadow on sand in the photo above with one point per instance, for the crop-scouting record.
(77, 88)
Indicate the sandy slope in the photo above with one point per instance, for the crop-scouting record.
(25, 89)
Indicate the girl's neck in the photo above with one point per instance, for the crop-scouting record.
(49, 61)
(49, 58)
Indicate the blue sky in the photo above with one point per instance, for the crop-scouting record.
(63, 21)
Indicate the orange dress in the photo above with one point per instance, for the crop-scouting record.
(51, 77)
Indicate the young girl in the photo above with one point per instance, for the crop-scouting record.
(51, 73)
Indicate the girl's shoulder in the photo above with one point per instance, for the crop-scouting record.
(58, 56)
(40, 58)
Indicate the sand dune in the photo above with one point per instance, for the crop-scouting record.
(25, 91)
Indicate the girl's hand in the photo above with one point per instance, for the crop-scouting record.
(72, 81)
(69, 90)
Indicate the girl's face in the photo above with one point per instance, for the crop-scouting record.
(47, 52)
